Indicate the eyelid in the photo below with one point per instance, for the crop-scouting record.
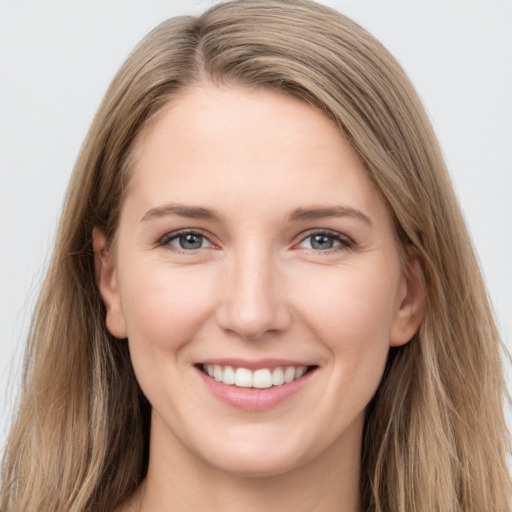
(164, 240)
(345, 241)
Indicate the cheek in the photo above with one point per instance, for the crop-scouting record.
(164, 307)
(349, 310)
(352, 315)
(352, 309)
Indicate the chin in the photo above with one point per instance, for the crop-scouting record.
(257, 456)
(257, 465)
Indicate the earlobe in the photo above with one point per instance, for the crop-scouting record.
(107, 282)
(411, 309)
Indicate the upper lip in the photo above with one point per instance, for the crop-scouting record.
(254, 364)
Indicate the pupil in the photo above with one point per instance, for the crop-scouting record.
(191, 241)
(322, 242)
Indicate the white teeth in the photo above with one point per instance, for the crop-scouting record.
(243, 378)
(299, 372)
(277, 377)
(262, 378)
(229, 375)
(289, 374)
(217, 373)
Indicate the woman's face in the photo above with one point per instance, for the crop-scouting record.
(253, 247)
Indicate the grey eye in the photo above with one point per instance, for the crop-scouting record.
(189, 241)
(322, 242)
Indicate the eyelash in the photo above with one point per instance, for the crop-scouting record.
(344, 241)
(175, 235)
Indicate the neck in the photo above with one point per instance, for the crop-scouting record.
(178, 480)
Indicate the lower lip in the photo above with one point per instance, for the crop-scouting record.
(252, 399)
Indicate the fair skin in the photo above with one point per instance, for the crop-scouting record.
(252, 238)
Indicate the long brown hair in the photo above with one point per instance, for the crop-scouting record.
(435, 437)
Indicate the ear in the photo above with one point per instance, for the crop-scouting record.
(410, 312)
(106, 280)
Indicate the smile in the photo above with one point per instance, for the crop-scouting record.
(255, 386)
(262, 378)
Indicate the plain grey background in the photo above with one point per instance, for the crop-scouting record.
(58, 57)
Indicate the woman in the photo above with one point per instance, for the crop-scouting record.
(262, 292)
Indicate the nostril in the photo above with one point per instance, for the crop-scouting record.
(252, 308)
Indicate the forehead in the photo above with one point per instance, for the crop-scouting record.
(215, 143)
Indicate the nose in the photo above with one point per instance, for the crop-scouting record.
(251, 302)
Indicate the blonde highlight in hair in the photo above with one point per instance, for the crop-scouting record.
(435, 437)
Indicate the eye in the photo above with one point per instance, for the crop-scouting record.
(325, 240)
(186, 241)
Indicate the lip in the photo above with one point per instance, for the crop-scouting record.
(251, 399)
(252, 365)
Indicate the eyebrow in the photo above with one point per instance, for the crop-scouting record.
(178, 210)
(299, 214)
(304, 214)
